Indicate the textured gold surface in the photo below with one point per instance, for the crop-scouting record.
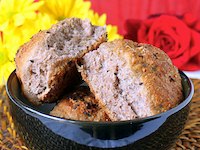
(189, 139)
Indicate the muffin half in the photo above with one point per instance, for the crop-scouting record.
(46, 64)
(131, 80)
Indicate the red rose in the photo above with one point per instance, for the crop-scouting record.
(174, 36)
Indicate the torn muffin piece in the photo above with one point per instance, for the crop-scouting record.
(46, 64)
(80, 105)
(131, 80)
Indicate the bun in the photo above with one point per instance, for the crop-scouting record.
(131, 80)
(46, 64)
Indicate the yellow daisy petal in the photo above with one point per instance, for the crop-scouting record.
(17, 12)
(62, 9)
(4, 25)
(112, 33)
(5, 65)
(5, 71)
(18, 19)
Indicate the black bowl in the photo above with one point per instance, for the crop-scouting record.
(39, 130)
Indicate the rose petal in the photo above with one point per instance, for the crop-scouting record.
(143, 30)
(195, 44)
(175, 28)
(155, 37)
(197, 26)
(167, 43)
(189, 19)
(192, 65)
(190, 59)
(181, 59)
(170, 34)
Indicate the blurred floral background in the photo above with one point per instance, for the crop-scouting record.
(174, 26)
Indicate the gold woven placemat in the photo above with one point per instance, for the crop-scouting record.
(189, 139)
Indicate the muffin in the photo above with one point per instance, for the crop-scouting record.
(46, 66)
(131, 80)
(80, 105)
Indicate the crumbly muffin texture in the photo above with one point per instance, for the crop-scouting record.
(46, 64)
(131, 80)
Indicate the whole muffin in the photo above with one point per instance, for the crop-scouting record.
(46, 64)
(131, 80)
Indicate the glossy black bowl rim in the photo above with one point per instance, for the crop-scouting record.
(27, 108)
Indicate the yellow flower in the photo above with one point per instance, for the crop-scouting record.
(96, 19)
(6, 66)
(113, 33)
(9, 43)
(101, 21)
(44, 22)
(31, 27)
(17, 19)
(61, 9)
(16, 12)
